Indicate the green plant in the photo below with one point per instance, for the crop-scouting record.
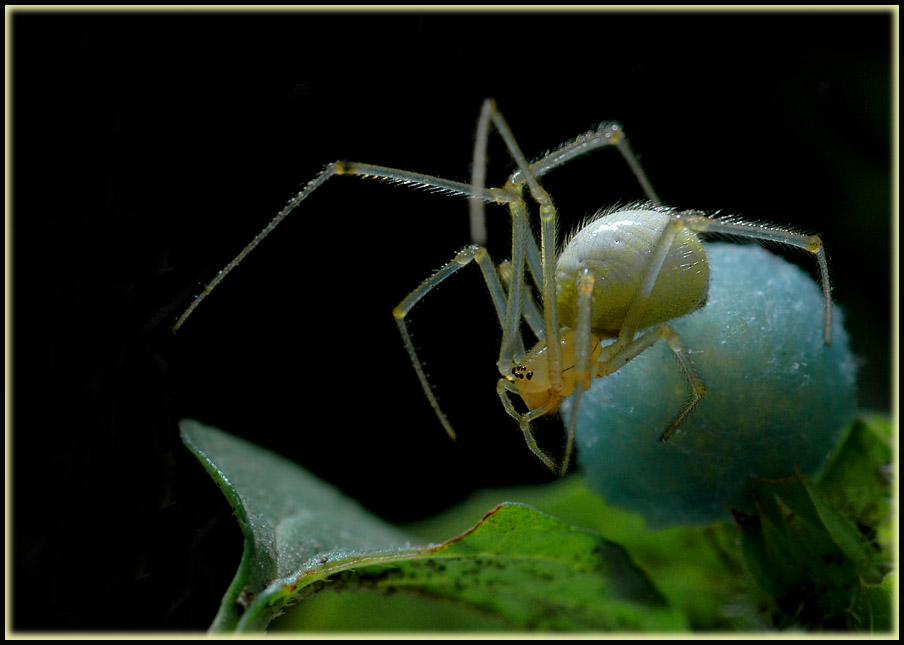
(577, 565)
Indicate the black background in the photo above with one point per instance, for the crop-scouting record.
(147, 149)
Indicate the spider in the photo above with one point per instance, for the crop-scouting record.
(605, 296)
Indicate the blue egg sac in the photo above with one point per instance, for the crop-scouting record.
(778, 399)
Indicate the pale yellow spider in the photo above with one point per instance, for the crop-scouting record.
(606, 296)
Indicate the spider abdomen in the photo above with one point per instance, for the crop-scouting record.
(617, 247)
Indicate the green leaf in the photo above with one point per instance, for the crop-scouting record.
(858, 479)
(302, 537)
(819, 569)
(699, 570)
(290, 520)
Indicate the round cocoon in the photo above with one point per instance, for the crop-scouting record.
(777, 399)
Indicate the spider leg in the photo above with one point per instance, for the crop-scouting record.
(629, 326)
(608, 133)
(618, 354)
(511, 327)
(461, 259)
(503, 387)
(532, 315)
(811, 243)
(332, 170)
(583, 359)
(690, 372)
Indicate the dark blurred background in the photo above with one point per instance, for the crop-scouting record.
(148, 148)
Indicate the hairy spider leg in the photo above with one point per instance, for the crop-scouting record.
(367, 171)
(503, 388)
(461, 259)
(532, 314)
(608, 133)
(499, 298)
(586, 283)
(700, 223)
